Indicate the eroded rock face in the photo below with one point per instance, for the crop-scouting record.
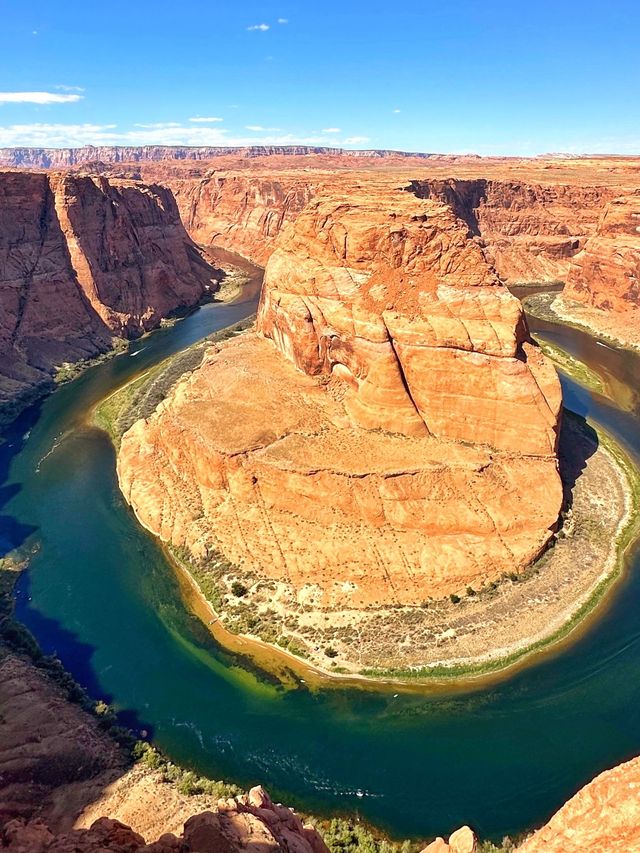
(391, 296)
(373, 442)
(242, 213)
(82, 260)
(54, 758)
(606, 273)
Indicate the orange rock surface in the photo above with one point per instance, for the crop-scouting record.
(603, 817)
(372, 443)
(606, 272)
(538, 220)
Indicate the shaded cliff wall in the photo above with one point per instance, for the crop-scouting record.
(529, 232)
(82, 260)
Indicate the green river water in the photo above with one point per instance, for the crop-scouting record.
(100, 593)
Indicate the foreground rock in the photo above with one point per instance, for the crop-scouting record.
(389, 435)
(603, 816)
(54, 758)
(252, 824)
(84, 260)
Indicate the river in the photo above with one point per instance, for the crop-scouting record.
(100, 593)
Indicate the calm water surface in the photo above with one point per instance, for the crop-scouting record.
(100, 593)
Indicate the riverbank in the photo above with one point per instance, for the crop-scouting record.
(557, 308)
(478, 637)
(481, 634)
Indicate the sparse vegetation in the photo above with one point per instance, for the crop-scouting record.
(186, 781)
(238, 589)
(342, 835)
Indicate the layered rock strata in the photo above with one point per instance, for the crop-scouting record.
(390, 432)
(82, 260)
(605, 274)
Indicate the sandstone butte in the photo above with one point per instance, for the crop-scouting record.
(388, 433)
(84, 260)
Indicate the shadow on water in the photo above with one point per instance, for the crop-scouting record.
(57, 640)
(577, 443)
(13, 533)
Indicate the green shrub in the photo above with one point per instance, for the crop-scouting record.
(238, 589)
(455, 599)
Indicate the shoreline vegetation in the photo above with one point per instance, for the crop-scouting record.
(609, 470)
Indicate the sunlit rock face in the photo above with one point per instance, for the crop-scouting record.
(388, 434)
(606, 273)
(389, 294)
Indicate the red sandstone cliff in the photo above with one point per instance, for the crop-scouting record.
(606, 273)
(82, 260)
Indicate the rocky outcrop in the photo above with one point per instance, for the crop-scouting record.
(83, 260)
(54, 757)
(602, 816)
(251, 824)
(530, 231)
(373, 442)
(463, 840)
(388, 295)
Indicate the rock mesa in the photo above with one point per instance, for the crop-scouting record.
(387, 434)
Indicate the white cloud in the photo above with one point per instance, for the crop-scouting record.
(70, 88)
(283, 20)
(41, 135)
(261, 27)
(37, 98)
(331, 130)
(159, 125)
(397, 111)
(205, 119)
(257, 128)
(356, 140)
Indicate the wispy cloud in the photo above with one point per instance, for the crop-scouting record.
(331, 130)
(158, 125)
(283, 20)
(69, 88)
(356, 140)
(258, 128)
(397, 111)
(205, 119)
(43, 135)
(261, 27)
(37, 98)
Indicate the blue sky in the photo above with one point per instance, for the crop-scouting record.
(488, 77)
